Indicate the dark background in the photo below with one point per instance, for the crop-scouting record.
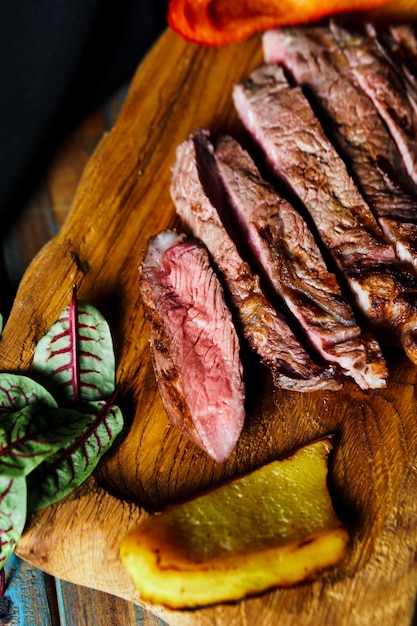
(59, 61)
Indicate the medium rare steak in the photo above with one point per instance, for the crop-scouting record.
(313, 59)
(379, 80)
(265, 330)
(194, 345)
(292, 263)
(281, 120)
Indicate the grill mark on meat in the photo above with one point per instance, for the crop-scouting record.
(266, 331)
(281, 120)
(293, 265)
(379, 80)
(315, 62)
(194, 345)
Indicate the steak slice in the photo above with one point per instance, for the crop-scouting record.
(194, 345)
(265, 330)
(399, 44)
(379, 80)
(314, 61)
(402, 45)
(294, 267)
(282, 122)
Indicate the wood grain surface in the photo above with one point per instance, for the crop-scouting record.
(37, 599)
(32, 596)
(122, 200)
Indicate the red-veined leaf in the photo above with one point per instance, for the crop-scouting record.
(77, 355)
(12, 514)
(68, 468)
(31, 435)
(18, 391)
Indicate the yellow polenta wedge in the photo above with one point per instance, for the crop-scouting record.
(274, 526)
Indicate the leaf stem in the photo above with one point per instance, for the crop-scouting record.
(74, 343)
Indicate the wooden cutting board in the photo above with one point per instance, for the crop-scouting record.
(122, 200)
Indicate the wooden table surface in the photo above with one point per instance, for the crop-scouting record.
(31, 596)
(374, 470)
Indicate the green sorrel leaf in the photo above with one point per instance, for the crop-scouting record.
(77, 355)
(18, 391)
(12, 514)
(29, 436)
(68, 468)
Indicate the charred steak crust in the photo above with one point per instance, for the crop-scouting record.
(265, 330)
(194, 344)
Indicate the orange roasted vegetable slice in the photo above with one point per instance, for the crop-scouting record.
(275, 526)
(218, 22)
(398, 11)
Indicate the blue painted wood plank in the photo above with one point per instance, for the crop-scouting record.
(29, 598)
(80, 605)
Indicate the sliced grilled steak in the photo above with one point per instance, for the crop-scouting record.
(266, 331)
(281, 120)
(314, 60)
(293, 265)
(377, 77)
(398, 43)
(402, 45)
(194, 345)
